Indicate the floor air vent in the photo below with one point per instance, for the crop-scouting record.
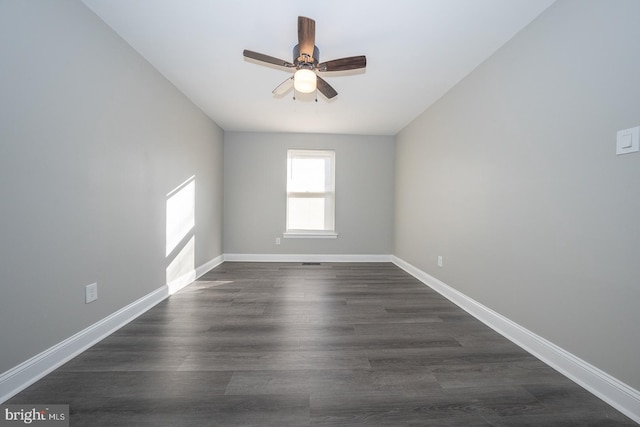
(310, 263)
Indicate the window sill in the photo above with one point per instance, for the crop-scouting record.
(310, 235)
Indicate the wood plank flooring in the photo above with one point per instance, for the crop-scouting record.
(284, 344)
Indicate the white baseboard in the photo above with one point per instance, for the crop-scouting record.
(305, 258)
(209, 265)
(28, 372)
(186, 279)
(613, 391)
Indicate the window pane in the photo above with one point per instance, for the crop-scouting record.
(306, 214)
(307, 175)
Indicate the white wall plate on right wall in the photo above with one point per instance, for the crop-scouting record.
(628, 140)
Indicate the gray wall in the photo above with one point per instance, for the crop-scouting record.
(255, 193)
(512, 177)
(92, 139)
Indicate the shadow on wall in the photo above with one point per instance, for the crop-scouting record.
(181, 221)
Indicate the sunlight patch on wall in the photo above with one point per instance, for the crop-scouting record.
(181, 221)
(181, 217)
(181, 271)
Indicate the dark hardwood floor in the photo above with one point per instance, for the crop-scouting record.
(282, 344)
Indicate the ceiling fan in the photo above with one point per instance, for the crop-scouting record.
(307, 64)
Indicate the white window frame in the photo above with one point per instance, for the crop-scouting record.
(328, 194)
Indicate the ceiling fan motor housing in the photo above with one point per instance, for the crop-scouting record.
(304, 61)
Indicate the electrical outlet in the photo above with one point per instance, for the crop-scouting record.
(277, 240)
(90, 293)
(439, 260)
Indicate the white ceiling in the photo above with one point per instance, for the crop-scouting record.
(416, 51)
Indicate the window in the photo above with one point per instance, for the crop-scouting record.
(310, 193)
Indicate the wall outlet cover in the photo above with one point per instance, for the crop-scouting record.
(628, 140)
(90, 293)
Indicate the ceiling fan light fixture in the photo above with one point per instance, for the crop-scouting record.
(305, 80)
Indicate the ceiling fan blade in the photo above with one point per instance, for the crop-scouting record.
(306, 35)
(325, 88)
(266, 58)
(284, 87)
(343, 64)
